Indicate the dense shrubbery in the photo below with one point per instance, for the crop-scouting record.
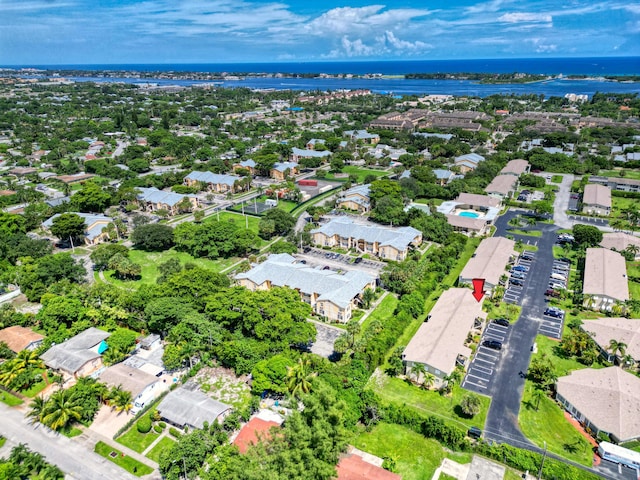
(144, 424)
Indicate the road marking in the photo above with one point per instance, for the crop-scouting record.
(487, 371)
(495, 359)
(483, 380)
(474, 384)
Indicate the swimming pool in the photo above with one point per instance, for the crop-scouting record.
(469, 214)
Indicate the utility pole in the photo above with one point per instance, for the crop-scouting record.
(544, 455)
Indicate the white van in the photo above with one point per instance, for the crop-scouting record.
(557, 276)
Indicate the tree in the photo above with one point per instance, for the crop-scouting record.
(470, 404)
(542, 207)
(418, 370)
(68, 226)
(121, 401)
(36, 409)
(586, 235)
(153, 237)
(271, 375)
(537, 395)
(124, 269)
(300, 378)
(429, 381)
(61, 409)
(91, 198)
(103, 253)
(367, 297)
(617, 347)
(275, 222)
(168, 268)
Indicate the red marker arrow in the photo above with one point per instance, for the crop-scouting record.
(478, 288)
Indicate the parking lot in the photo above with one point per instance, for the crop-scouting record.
(514, 291)
(480, 371)
(552, 323)
(598, 222)
(316, 257)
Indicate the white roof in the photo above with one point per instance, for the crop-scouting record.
(605, 273)
(619, 241)
(624, 330)
(441, 338)
(502, 184)
(72, 354)
(213, 178)
(595, 194)
(490, 260)
(186, 407)
(516, 167)
(475, 200)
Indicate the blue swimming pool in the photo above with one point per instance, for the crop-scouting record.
(468, 214)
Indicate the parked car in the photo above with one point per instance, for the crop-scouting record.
(524, 256)
(517, 275)
(494, 344)
(516, 281)
(520, 268)
(557, 286)
(474, 432)
(501, 321)
(552, 293)
(358, 260)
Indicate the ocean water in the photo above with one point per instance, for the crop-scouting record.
(552, 66)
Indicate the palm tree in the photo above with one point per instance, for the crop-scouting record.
(616, 347)
(122, 401)
(61, 410)
(418, 370)
(538, 394)
(470, 404)
(632, 249)
(299, 378)
(37, 407)
(429, 381)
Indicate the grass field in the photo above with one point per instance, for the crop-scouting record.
(237, 218)
(137, 441)
(11, 400)
(429, 402)
(618, 204)
(528, 233)
(149, 262)
(164, 444)
(634, 174)
(556, 179)
(131, 465)
(415, 456)
(359, 171)
(503, 310)
(548, 424)
(383, 311)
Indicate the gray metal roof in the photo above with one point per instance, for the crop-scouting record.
(283, 271)
(283, 166)
(310, 153)
(90, 221)
(399, 238)
(154, 195)
(71, 355)
(129, 378)
(185, 407)
(213, 178)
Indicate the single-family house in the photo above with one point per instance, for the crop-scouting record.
(468, 162)
(355, 464)
(215, 182)
(624, 330)
(255, 430)
(605, 279)
(79, 356)
(94, 224)
(143, 386)
(311, 144)
(362, 136)
(489, 262)
(596, 200)
(502, 186)
(384, 242)
(439, 343)
(282, 170)
(331, 294)
(19, 338)
(356, 199)
(477, 202)
(621, 242)
(191, 408)
(443, 176)
(605, 400)
(152, 200)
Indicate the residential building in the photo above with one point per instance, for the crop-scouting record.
(94, 224)
(255, 430)
(249, 165)
(605, 279)
(596, 200)
(143, 386)
(384, 242)
(468, 162)
(358, 465)
(19, 338)
(443, 176)
(515, 168)
(604, 400)
(621, 242)
(282, 170)
(191, 408)
(152, 200)
(331, 294)
(298, 154)
(479, 202)
(502, 186)
(439, 343)
(311, 144)
(469, 226)
(79, 356)
(624, 330)
(621, 184)
(489, 262)
(356, 199)
(362, 136)
(215, 182)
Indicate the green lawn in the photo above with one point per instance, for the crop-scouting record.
(548, 424)
(618, 204)
(237, 218)
(35, 389)
(160, 447)
(556, 179)
(383, 311)
(149, 262)
(416, 457)
(398, 391)
(71, 432)
(359, 171)
(634, 174)
(137, 441)
(562, 365)
(131, 465)
(528, 233)
(503, 310)
(11, 400)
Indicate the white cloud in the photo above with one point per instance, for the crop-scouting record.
(401, 46)
(518, 17)
(492, 6)
(541, 47)
(31, 6)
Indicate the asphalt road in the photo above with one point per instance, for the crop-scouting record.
(75, 459)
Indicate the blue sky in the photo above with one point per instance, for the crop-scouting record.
(222, 31)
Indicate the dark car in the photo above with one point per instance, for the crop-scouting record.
(526, 257)
(494, 344)
(358, 260)
(517, 282)
(474, 432)
(520, 268)
(501, 321)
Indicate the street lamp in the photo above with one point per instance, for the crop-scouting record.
(541, 463)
